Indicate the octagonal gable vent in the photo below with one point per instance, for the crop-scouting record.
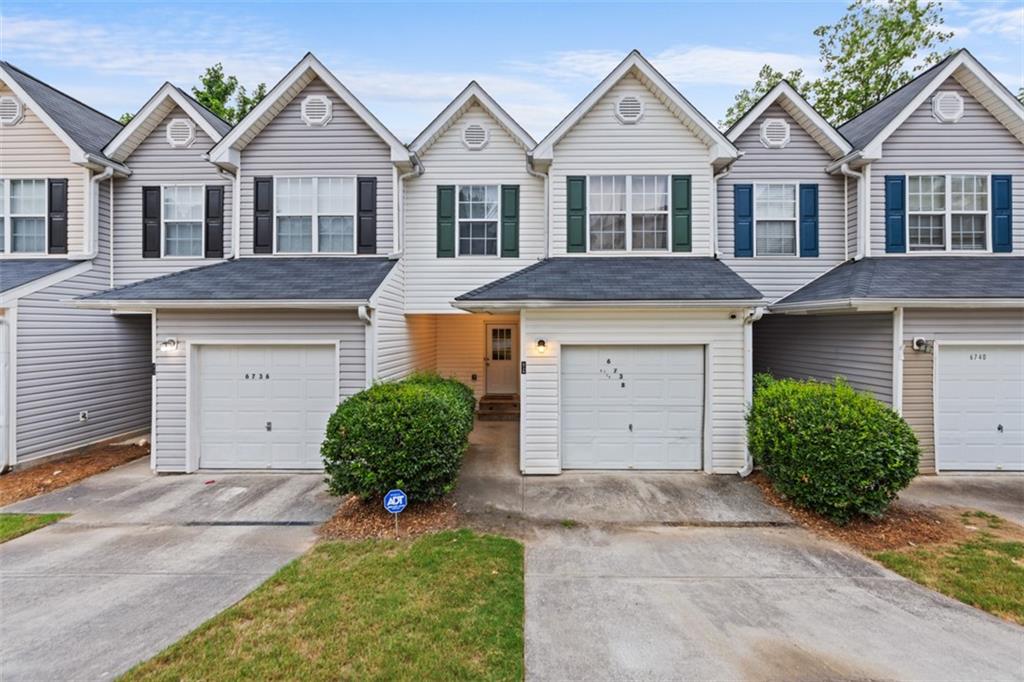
(181, 132)
(947, 107)
(316, 110)
(629, 109)
(774, 133)
(11, 111)
(475, 136)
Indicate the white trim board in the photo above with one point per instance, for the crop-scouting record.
(472, 94)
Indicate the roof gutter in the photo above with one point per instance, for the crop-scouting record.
(148, 305)
(484, 306)
(108, 164)
(886, 304)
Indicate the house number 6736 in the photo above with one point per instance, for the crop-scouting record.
(257, 376)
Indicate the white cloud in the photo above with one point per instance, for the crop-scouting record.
(994, 20)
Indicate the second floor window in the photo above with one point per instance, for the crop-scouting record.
(775, 220)
(478, 220)
(183, 221)
(23, 216)
(315, 215)
(947, 212)
(628, 212)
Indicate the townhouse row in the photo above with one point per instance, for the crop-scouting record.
(618, 282)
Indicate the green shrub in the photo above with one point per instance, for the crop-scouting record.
(409, 434)
(829, 448)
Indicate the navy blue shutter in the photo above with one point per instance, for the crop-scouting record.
(895, 214)
(743, 220)
(1002, 214)
(808, 221)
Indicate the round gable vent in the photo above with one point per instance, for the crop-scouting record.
(629, 109)
(316, 110)
(947, 107)
(475, 136)
(11, 111)
(181, 132)
(774, 133)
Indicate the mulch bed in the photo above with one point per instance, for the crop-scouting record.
(22, 484)
(901, 527)
(359, 520)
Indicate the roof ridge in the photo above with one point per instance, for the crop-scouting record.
(61, 92)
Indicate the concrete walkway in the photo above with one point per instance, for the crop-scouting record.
(142, 561)
(1001, 494)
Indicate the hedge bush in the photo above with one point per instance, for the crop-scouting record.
(409, 434)
(829, 448)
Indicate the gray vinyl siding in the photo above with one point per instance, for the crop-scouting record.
(802, 161)
(857, 347)
(154, 162)
(345, 146)
(241, 327)
(977, 143)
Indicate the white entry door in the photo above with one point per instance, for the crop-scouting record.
(264, 407)
(502, 359)
(979, 408)
(632, 407)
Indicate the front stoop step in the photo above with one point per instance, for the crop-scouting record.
(498, 408)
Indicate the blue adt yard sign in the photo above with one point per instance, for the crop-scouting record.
(395, 501)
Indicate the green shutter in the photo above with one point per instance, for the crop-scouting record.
(576, 216)
(682, 213)
(510, 221)
(445, 221)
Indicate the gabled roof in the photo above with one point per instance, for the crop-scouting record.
(16, 272)
(472, 94)
(617, 279)
(83, 129)
(802, 112)
(869, 129)
(163, 101)
(636, 64)
(912, 278)
(303, 73)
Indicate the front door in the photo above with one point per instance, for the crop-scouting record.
(502, 358)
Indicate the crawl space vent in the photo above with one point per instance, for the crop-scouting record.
(947, 107)
(316, 110)
(774, 133)
(181, 132)
(474, 136)
(10, 110)
(629, 109)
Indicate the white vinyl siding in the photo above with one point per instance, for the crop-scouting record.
(658, 144)
(404, 343)
(433, 282)
(803, 160)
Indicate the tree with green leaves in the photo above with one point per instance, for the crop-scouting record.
(125, 118)
(1020, 95)
(225, 96)
(767, 79)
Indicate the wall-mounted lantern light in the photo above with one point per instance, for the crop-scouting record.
(542, 346)
(168, 345)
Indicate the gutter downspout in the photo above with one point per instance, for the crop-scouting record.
(236, 204)
(111, 233)
(845, 170)
(547, 211)
(94, 213)
(749, 319)
(417, 170)
(370, 343)
(714, 204)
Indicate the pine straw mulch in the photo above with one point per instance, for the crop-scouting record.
(359, 520)
(901, 527)
(22, 484)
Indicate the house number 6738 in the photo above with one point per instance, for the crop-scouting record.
(257, 376)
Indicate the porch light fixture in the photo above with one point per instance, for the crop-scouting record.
(168, 345)
(542, 346)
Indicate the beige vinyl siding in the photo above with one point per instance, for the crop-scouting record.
(241, 327)
(977, 143)
(31, 150)
(433, 282)
(155, 162)
(345, 146)
(801, 161)
(722, 336)
(918, 404)
(659, 144)
(855, 346)
(461, 347)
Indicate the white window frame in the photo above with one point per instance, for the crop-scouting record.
(202, 222)
(629, 215)
(796, 219)
(948, 213)
(315, 237)
(459, 221)
(8, 218)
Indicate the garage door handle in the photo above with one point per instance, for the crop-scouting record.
(999, 428)
(269, 426)
(631, 428)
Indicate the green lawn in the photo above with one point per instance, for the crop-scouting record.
(445, 606)
(13, 525)
(986, 570)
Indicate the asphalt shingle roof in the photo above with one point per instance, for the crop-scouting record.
(18, 271)
(219, 124)
(625, 278)
(90, 129)
(917, 277)
(263, 279)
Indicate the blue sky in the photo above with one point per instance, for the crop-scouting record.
(406, 61)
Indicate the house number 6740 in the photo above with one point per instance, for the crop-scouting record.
(979, 356)
(257, 376)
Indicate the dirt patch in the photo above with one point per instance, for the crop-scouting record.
(359, 520)
(902, 526)
(22, 484)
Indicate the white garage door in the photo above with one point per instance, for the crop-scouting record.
(264, 407)
(979, 408)
(632, 407)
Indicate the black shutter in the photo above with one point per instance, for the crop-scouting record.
(57, 215)
(150, 222)
(214, 234)
(366, 216)
(263, 215)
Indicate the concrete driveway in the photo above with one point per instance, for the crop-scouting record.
(1001, 494)
(142, 561)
